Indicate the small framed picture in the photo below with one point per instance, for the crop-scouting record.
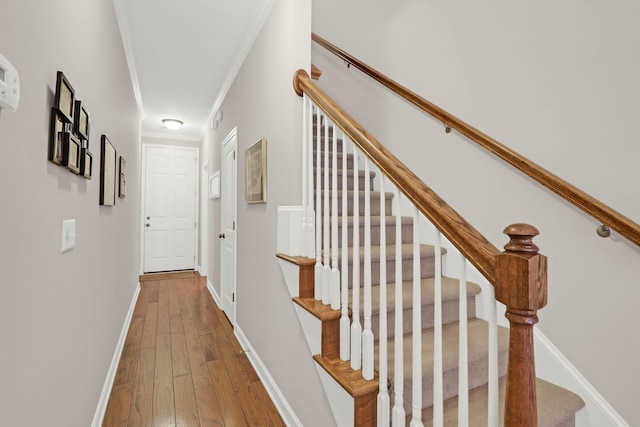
(214, 185)
(86, 163)
(107, 172)
(255, 163)
(59, 127)
(65, 97)
(73, 145)
(81, 121)
(123, 179)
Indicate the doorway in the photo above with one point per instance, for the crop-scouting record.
(169, 208)
(229, 179)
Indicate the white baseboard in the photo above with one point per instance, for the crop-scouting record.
(98, 417)
(286, 412)
(553, 366)
(214, 294)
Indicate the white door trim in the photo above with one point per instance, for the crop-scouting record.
(143, 189)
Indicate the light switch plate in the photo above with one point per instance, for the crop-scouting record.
(68, 234)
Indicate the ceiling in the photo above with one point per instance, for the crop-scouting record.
(183, 55)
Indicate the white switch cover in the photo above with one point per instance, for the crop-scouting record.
(68, 234)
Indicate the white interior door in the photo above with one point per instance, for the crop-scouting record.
(169, 208)
(228, 236)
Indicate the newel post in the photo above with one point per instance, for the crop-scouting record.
(521, 285)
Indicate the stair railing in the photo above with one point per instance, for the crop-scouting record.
(609, 217)
(518, 274)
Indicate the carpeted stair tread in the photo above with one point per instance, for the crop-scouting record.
(556, 407)
(477, 344)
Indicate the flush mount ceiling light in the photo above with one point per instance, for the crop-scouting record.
(172, 124)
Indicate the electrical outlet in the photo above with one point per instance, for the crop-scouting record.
(68, 234)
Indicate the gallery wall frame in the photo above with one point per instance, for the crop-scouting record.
(255, 163)
(81, 121)
(57, 150)
(122, 181)
(214, 185)
(65, 97)
(107, 172)
(73, 148)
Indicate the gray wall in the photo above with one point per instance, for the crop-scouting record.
(262, 103)
(61, 314)
(553, 81)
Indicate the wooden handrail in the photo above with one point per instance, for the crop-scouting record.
(478, 250)
(603, 213)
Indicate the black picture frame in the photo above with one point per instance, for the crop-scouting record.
(73, 146)
(107, 172)
(86, 163)
(57, 148)
(65, 97)
(122, 182)
(81, 121)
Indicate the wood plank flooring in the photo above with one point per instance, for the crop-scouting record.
(182, 366)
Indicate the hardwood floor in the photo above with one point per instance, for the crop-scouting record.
(182, 366)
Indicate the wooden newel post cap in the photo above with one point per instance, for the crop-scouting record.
(521, 238)
(521, 272)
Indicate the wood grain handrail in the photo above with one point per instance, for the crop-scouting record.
(473, 245)
(598, 210)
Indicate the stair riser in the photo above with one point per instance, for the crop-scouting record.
(390, 233)
(350, 180)
(478, 376)
(375, 204)
(427, 270)
(450, 311)
(339, 159)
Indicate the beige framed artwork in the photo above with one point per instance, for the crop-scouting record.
(255, 163)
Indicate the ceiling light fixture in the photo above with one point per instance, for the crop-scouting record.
(172, 124)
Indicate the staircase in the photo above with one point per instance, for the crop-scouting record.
(556, 406)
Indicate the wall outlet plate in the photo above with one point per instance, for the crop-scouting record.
(68, 234)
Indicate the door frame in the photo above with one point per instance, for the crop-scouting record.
(233, 135)
(203, 254)
(143, 195)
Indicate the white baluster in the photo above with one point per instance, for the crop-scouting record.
(305, 142)
(463, 358)
(345, 322)
(326, 242)
(398, 414)
(416, 342)
(356, 327)
(367, 333)
(383, 392)
(438, 393)
(335, 273)
(308, 244)
(318, 268)
(493, 359)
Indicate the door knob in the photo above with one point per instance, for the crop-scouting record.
(148, 225)
(221, 236)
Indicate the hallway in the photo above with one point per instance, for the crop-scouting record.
(181, 364)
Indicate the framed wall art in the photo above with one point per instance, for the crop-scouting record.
(81, 121)
(107, 172)
(214, 185)
(57, 152)
(73, 146)
(86, 163)
(65, 97)
(122, 182)
(255, 163)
